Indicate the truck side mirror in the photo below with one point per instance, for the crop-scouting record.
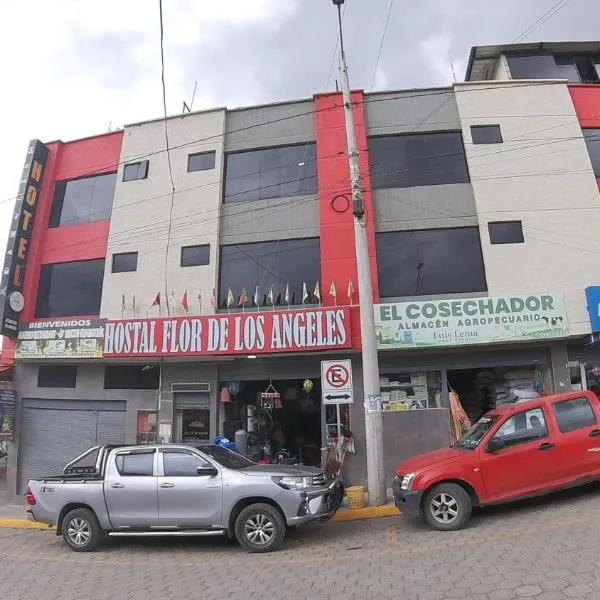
(207, 471)
(494, 445)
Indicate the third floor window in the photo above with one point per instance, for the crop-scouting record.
(417, 159)
(83, 200)
(271, 173)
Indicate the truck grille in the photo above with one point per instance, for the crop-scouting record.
(319, 480)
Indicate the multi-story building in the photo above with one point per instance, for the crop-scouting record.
(158, 294)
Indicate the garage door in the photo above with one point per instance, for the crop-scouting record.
(53, 432)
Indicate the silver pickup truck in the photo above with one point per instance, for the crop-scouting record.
(179, 490)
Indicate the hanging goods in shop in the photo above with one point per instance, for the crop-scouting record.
(234, 387)
(307, 386)
(460, 421)
(270, 399)
(225, 395)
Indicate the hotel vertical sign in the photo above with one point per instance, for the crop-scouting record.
(19, 239)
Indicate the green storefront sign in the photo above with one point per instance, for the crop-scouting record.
(467, 321)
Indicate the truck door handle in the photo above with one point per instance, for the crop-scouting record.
(594, 432)
(167, 485)
(117, 485)
(545, 446)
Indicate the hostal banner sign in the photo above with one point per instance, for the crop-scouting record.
(470, 321)
(239, 333)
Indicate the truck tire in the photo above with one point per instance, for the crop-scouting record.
(260, 528)
(447, 507)
(81, 531)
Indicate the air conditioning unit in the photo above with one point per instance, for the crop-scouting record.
(191, 388)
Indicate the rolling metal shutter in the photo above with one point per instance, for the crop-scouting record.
(56, 431)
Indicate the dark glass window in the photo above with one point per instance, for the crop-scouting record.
(486, 134)
(140, 464)
(266, 264)
(182, 464)
(592, 141)
(57, 376)
(506, 232)
(124, 262)
(521, 428)
(138, 170)
(83, 200)
(574, 414)
(271, 173)
(417, 159)
(203, 161)
(542, 66)
(194, 256)
(70, 289)
(131, 377)
(432, 261)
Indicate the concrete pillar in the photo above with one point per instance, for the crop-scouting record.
(559, 360)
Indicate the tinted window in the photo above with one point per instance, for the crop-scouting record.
(486, 134)
(432, 261)
(125, 262)
(226, 457)
(131, 377)
(132, 465)
(506, 232)
(574, 414)
(57, 376)
(133, 171)
(523, 427)
(266, 264)
(542, 66)
(417, 159)
(201, 162)
(70, 289)
(592, 141)
(83, 200)
(271, 173)
(193, 256)
(181, 464)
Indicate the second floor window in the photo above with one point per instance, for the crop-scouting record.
(271, 173)
(83, 200)
(70, 289)
(417, 159)
(592, 141)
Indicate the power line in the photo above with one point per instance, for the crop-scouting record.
(385, 27)
(539, 22)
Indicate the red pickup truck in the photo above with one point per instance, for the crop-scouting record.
(515, 451)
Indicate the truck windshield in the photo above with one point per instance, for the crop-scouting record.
(471, 439)
(225, 457)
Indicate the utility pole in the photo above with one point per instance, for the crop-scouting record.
(370, 365)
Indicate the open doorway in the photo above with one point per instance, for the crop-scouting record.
(282, 419)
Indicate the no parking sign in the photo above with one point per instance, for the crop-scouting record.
(336, 382)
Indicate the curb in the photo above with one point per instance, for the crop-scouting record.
(369, 512)
(345, 514)
(22, 524)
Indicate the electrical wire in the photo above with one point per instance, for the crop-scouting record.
(539, 22)
(385, 28)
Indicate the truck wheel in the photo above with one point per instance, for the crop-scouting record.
(260, 528)
(81, 531)
(447, 507)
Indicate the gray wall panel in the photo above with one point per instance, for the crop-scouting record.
(411, 110)
(424, 207)
(287, 123)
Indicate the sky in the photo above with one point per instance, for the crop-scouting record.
(74, 68)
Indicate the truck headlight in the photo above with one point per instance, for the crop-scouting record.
(407, 481)
(293, 483)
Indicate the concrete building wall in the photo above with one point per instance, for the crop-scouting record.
(540, 175)
(142, 211)
(274, 218)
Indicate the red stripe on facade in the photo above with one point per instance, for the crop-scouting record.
(338, 254)
(71, 160)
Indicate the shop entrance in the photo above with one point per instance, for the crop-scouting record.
(283, 419)
(480, 390)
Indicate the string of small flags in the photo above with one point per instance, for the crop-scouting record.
(233, 301)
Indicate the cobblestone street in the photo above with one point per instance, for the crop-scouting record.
(544, 549)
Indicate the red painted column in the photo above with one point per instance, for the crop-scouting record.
(85, 241)
(338, 251)
(586, 100)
